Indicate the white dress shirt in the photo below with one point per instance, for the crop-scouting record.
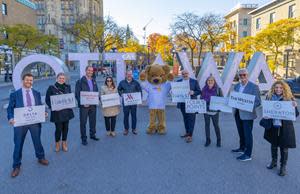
(31, 96)
(242, 87)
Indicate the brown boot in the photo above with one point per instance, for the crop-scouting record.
(57, 146)
(64, 146)
(43, 162)
(15, 172)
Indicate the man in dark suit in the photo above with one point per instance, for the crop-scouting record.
(189, 118)
(25, 97)
(244, 120)
(87, 84)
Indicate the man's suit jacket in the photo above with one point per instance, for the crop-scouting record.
(194, 86)
(16, 101)
(82, 85)
(251, 89)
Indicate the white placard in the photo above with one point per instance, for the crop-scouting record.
(195, 106)
(29, 115)
(220, 103)
(132, 98)
(283, 110)
(89, 98)
(241, 101)
(62, 101)
(180, 91)
(109, 100)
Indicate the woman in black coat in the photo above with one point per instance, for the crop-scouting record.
(60, 118)
(282, 132)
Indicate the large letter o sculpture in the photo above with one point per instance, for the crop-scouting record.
(55, 63)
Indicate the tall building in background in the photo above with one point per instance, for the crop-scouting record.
(240, 21)
(272, 12)
(17, 12)
(54, 15)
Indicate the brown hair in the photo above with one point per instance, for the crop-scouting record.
(26, 75)
(112, 81)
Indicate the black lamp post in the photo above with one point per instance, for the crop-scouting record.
(288, 50)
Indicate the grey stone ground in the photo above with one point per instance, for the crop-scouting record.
(142, 163)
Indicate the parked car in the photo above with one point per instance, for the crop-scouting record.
(294, 85)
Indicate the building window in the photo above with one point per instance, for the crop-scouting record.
(272, 17)
(245, 33)
(4, 9)
(292, 9)
(258, 24)
(245, 22)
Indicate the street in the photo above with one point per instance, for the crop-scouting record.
(143, 163)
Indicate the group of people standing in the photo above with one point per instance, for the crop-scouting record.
(281, 133)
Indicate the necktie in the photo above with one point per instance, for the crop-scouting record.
(28, 98)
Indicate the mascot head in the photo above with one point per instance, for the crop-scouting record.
(157, 74)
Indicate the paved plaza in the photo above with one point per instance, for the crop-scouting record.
(144, 164)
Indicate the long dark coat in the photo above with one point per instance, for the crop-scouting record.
(284, 136)
(62, 115)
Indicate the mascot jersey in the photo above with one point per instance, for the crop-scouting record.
(157, 94)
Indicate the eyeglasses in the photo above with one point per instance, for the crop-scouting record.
(242, 75)
(108, 80)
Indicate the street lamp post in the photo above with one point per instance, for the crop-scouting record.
(148, 55)
(288, 50)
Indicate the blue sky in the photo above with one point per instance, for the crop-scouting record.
(137, 13)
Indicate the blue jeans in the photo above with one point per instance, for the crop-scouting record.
(132, 111)
(245, 132)
(19, 138)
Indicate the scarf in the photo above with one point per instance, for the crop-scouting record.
(60, 87)
(209, 92)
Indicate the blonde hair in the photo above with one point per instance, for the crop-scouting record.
(287, 93)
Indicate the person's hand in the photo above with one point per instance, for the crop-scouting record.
(12, 121)
(191, 92)
(46, 114)
(294, 103)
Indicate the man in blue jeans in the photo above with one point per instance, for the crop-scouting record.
(129, 85)
(25, 97)
(244, 120)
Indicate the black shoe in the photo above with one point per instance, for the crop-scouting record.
(84, 142)
(94, 138)
(272, 165)
(218, 143)
(282, 171)
(207, 143)
(134, 131)
(239, 150)
(244, 158)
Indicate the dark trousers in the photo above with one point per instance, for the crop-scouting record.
(110, 123)
(85, 113)
(19, 138)
(132, 111)
(245, 132)
(189, 121)
(215, 121)
(61, 131)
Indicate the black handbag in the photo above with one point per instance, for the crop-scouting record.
(266, 123)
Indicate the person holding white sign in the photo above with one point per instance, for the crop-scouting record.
(189, 118)
(129, 85)
(25, 97)
(87, 84)
(244, 119)
(282, 132)
(211, 89)
(110, 113)
(61, 118)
